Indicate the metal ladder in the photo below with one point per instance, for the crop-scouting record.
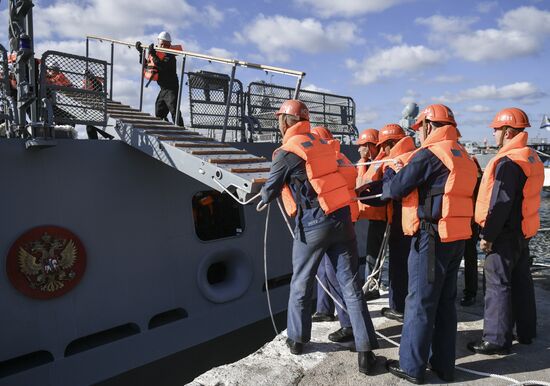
(216, 164)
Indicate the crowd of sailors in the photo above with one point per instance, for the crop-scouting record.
(432, 203)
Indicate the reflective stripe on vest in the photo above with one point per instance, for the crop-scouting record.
(321, 167)
(373, 173)
(458, 206)
(151, 70)
(531, 165)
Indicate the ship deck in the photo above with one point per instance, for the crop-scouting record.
(326, 363)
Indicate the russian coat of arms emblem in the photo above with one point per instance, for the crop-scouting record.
(46, 262)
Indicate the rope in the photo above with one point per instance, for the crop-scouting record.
(368, 197)
(377, 269)
(233, 196)
(382, 161)
(541, 153)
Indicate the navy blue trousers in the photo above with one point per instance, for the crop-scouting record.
(325, 304)
(509, 293)
(337, 240)
(399, 246)
(429, 329)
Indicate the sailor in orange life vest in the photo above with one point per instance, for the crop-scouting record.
(56, 77)
(376, 215)
(326, 272)
(436, 191)
(305, 171)
(161, 67)
(507, 210)
(398, 146)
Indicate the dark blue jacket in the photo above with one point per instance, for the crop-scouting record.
(504, 215)
(288, 168)
(424, 171)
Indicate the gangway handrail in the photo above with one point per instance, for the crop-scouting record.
(233, 62)
(123, 43)
(210, 58)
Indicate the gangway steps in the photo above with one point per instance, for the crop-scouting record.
(203, 158)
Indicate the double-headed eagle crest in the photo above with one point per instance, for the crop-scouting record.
(47, 263)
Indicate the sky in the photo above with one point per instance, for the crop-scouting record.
(477, 57)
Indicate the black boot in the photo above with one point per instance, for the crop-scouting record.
(296, 348)
(487, 348)
(372, 295)
(392, 314)
(320, 317)
(468, 300)
(393, 367)
(344, 334)
(367, 362)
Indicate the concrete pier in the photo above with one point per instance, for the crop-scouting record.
(326, 363)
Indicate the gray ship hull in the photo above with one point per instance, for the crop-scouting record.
(145, 294)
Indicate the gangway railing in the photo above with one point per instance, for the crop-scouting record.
(185, 54)
(334, 112)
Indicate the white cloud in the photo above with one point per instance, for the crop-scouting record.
(347, 8)
(449, 78)
(486, 6)
(213, 16)
(523, 91)
(394, 61)
(478, 109)
(494, 44)
(278, 37)
(393, 39)
(365, 117)
(520, 32)
(410, 97)
(312, 87)
(441, 26)
(118, 19)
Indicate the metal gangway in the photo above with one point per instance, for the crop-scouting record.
(215, 163)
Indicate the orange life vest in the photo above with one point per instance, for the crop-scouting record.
(321, 167)
(346, 168)
(58, 79)
(528, 160)
(151, 70)
(458, 205)
(366, 175)
(401, 152)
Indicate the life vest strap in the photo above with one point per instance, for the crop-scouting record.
(298, 183)
(431, 229)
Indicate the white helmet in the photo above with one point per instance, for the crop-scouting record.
(165, 36)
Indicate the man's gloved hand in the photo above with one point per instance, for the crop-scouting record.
(139, 47)
(152, 50)
(485, 246)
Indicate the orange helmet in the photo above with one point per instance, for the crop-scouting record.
(322, 132)
(435, 113)
(294, 107)
(367, 136)
(512, 117)
(390, 131)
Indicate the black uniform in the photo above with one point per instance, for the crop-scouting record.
(168, 82)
